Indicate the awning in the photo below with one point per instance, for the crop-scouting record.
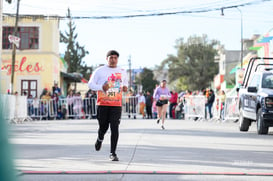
(71, 77)
(234, 69)
(83, 80)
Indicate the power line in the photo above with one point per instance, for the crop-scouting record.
(146, 14)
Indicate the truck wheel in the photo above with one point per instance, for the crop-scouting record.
(244, 123)
(261, 128)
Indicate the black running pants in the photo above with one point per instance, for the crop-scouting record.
(109, 115)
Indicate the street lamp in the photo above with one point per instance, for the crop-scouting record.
(242, 42)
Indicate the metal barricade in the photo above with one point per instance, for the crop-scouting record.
(195, 106)
(15, 108)
(130, 106)
(20, 108)
(78, 108)
(217, 108)
(62, 108)
(8, 104)
(90, 107)
(53, 108)
(231, 111)
(72, 108)
(37, 108)
(44, 109)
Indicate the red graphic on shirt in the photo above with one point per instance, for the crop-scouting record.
(113, 96)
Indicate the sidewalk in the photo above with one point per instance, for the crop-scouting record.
(64, 150)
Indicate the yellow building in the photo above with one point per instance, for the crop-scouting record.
(37, 62)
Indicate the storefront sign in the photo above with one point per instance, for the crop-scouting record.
(23, 66)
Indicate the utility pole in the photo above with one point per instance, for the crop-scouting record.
(14, 48)
(242, 42)
(130, 73)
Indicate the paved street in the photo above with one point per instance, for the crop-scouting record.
(185, 150)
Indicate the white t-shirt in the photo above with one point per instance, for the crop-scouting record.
(116, 78)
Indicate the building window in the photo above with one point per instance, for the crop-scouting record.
(29, 87)
(29, 37)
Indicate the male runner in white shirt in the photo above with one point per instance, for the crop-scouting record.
(109, 81)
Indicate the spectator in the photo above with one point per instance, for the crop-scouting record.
(62, 100)
(179, 109)
(43, 93)
(69, 100)
(222, 103)
(45, 107)
(55, 102)
(141, 102)
(154, 109)
(64, 111)
(30, 105)
(59, 114)
(173, 103)
(149, 103)
(127, 102)
(77, 105)
(36, 104)
(56, 89)
(133, 101)
(25, 93)
(87, 103)
(211, 98)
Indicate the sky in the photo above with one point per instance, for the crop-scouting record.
(148, 40)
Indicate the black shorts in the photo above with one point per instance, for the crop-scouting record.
(164, 101)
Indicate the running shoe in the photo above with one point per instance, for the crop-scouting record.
(98, 145)
(113, 157)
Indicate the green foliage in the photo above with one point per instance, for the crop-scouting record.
(146, 79)
(194, 64)
(74, 52)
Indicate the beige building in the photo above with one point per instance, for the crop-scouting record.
(37, 62)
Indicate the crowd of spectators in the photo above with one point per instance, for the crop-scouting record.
(54, 105)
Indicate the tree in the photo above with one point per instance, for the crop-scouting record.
(146, 79)
(74, 52)
(193, 66)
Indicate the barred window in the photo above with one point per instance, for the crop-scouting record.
(30, 87)
(29, 37)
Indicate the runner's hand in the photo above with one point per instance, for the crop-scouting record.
(124, 88)
(105, 87)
